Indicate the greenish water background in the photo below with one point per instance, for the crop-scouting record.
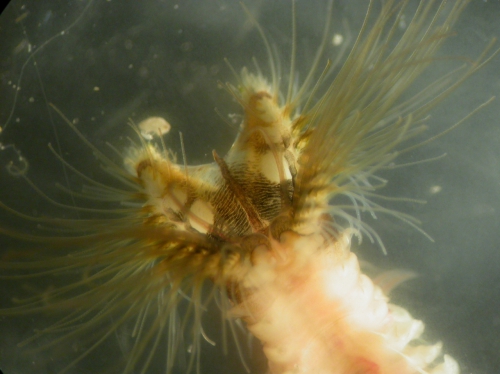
(153, 58)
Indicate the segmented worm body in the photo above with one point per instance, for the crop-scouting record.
(260, 225)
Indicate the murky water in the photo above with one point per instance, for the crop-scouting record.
(103, 62)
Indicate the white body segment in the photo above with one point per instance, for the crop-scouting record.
(314, 312)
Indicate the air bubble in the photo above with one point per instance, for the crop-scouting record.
(337, 40)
